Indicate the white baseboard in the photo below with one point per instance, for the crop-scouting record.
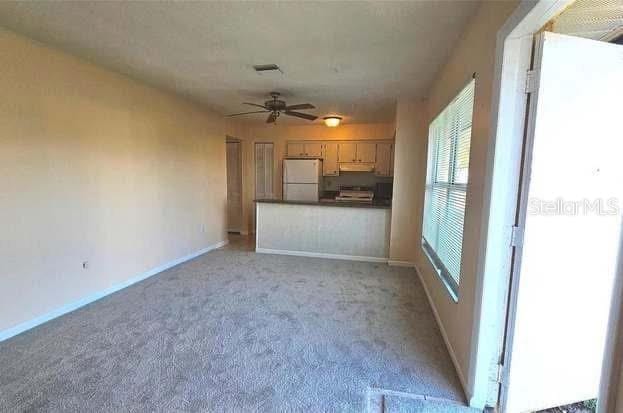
(444, 335)
(321, 255)
(398, 263)
(27, 325)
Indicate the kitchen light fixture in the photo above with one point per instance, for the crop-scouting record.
(332, 121)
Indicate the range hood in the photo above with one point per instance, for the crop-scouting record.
(356, 167)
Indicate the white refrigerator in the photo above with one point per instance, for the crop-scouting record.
(302, 179)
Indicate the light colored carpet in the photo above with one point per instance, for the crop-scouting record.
(235, 331)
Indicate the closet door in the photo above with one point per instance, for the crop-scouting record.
(264, 170)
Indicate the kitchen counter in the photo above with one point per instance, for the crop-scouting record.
(380, 203)
(326, 229)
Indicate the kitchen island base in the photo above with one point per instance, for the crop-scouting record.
(321, 230)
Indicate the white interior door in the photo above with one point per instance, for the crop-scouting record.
(234, 187)
(570, 215)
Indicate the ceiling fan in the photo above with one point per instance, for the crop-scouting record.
(276, 107)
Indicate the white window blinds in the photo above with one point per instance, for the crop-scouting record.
(449, 137)
(264, 171)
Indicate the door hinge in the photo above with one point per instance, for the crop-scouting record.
(530, 81)
(516, 236)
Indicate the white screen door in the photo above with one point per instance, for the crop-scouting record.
(572, 192)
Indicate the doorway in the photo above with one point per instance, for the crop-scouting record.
(234, 185)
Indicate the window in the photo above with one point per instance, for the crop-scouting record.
(264, 171)
(449, 137)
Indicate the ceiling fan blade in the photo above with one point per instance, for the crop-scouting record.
(301, 106)
(255, 104)
(245, 113)
(301, 115)
(272, 117)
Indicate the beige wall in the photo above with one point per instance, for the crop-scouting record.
(279, 134)
(475, 52)
(96, 167)
(409, 179)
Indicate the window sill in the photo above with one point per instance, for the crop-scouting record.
(454, 296)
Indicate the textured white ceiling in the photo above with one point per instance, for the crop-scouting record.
(349, 58)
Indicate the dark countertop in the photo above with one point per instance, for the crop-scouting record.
(380, 203)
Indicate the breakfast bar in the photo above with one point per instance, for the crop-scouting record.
(326, 228)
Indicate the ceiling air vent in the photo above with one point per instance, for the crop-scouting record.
(267, 68)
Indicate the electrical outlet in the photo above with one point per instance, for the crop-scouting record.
(85, 265)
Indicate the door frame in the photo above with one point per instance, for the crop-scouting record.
(515, 247)
(501, 195)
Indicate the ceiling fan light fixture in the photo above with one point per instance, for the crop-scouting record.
(276, 107)
(332, 121)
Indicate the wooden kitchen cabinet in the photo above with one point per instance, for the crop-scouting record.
(384, 159)
(379, 154)
(330, 160)
(304, 149)
(295, 149)
(357, 152)
(366, 152)
(313, 150)
(347, 152)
